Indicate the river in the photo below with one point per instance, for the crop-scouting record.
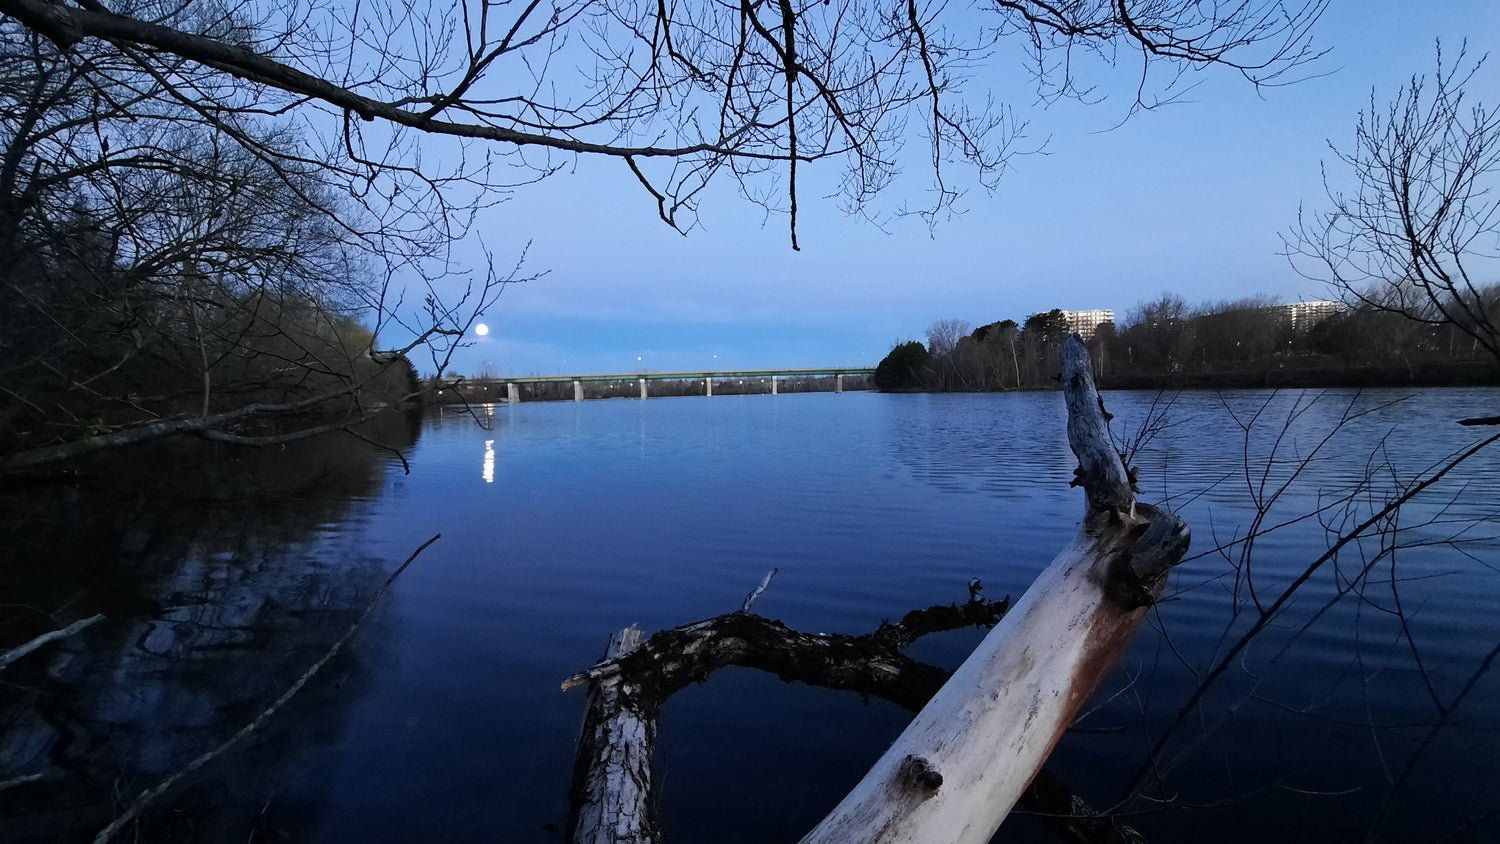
(226, 574)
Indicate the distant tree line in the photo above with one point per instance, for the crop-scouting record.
(1167, 342)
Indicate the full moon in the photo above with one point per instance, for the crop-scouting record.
(481, 329)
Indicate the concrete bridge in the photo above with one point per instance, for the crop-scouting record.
(513, 392)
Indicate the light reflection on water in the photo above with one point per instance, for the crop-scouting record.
(587, 517)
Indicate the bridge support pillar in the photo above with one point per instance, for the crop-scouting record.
(838, 384)
(577, 391)
(708, 386)
(643, 388)
(773, 385)
(512, 393)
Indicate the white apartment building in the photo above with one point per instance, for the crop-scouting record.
(1085, 323)
(1304, 315)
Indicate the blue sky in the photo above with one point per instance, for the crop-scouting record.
(1189, 198)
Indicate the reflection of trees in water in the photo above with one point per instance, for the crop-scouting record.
(221, 585)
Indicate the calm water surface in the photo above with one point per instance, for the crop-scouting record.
(563, 522)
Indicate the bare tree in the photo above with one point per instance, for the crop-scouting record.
(943, 335)
(1418, 233)
(1159, 333)
(382, 127)
(1007, 335)
(171, 271)
(1241, 331)
(677, 93)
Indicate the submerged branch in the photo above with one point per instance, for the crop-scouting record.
(7, 657)
(144, 799)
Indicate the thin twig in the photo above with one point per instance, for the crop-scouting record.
(405, 466)
(755, 593)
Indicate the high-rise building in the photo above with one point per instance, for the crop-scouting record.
(1304, 315)
(1085, 323)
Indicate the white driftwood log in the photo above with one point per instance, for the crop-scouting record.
(612, 779)
(957, 770)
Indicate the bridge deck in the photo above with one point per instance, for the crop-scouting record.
(675, 376)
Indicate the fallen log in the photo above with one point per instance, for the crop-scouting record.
(613, 797)
(964, 761)
(871, 664)
(978, 743)
(612, 792)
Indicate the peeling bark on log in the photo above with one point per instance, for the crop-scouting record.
(871, 664)
(964, 761)
(1102, 474)
(613, 798)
